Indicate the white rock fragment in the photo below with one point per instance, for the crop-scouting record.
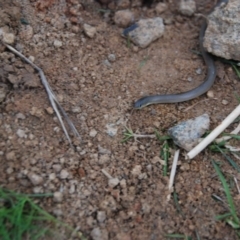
(49, 110)
(186, 134)
(225, 102)
(8, 38)
(222, 34)
(210, 94)
(89, 30)
(187, 7)
(93, 133)
(21, 133)
(57, 197)
(113, 182)
(137, 170)
(145, 31)
(123, 18)
(64, 174)
(35, 179)
(101, 216)
(57, 43)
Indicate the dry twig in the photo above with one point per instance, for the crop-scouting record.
(52, 98)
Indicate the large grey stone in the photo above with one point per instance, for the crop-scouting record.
(222, 34)
(145, 31)
(186, 134)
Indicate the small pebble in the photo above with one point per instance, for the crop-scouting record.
(57, 43)
(210, 94)
(20, 116)
(112, 57)
(107, 63)
(224, 102)
(136, 171)
(57, 197)
(97, 234)
(199, 71)
(93, 133)
(113, 182)
(35, 179)
(21, 133)
(123, 18)
(8, 38)
(89, 30)
(161, 7)
(49, 110)
(101, 216)
(187, 7)
(64, 174)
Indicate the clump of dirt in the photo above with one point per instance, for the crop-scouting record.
(98, 98)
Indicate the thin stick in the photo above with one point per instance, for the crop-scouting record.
(172, 175)
(173, 170)
(212, 136)
(236, 182)
(52, 98)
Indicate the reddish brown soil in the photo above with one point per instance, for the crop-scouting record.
(95, 95)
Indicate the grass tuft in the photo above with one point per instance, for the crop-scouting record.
(231, 218)
(21, 218)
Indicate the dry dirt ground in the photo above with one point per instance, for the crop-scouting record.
(97, 96)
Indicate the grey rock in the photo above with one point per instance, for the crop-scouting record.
(186, 134)
(99, 234)
(111, 129)
(102, 150)
(112, 57)
(20, 116)
(123, 18)
(145, 31)
(107, 63)
(187, 7)
(222, 34)
(96, 234)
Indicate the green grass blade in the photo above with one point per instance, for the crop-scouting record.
(227, 192)
(179, 236)
(161, 138)
(175, 199)
(223, 216)
(230, 160)
(236, 70)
